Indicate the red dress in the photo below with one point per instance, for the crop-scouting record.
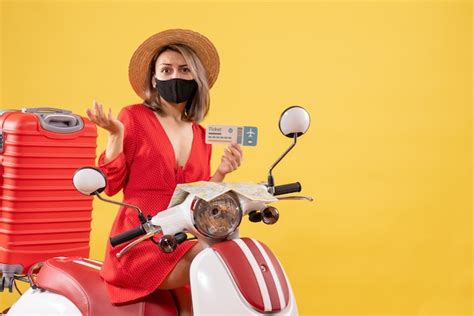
(147, 172)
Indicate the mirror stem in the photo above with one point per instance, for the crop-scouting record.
(271, 182)
(139, 211)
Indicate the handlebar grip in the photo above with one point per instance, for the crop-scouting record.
(180, 237)
(126, 236)
(287, 188)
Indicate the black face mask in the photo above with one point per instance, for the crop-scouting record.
(176, 90)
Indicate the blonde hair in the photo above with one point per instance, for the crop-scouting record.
(197, 108)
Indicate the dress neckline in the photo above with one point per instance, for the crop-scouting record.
(170, 145)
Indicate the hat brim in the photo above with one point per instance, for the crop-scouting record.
(201, 45)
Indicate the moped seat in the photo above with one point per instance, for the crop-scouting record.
(78, 279)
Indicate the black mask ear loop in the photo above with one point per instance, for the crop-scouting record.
(189, 103)
(155, 80)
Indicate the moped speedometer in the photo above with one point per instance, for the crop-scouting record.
(219, 217)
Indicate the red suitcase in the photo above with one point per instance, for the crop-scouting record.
(41, 214)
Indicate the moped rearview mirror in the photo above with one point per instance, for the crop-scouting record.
(89, 181)
(294, 122)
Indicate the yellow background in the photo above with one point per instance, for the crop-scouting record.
(388, 154)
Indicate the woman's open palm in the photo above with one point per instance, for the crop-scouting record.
(107, 122)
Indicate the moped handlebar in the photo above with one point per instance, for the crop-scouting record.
(127, 236)
(287, 188)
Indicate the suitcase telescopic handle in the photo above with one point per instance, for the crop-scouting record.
(57, 120)
(45, 110)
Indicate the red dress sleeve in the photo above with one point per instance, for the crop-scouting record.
(116, 170)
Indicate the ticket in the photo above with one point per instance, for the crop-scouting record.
(221, 134)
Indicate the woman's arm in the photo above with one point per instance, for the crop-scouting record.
(217, 177)
(114, 146)
(230, 161)
(113, 161)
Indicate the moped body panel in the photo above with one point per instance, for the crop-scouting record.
(39, 302)
(217, 290)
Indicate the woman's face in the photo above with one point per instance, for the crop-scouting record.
(172, 65)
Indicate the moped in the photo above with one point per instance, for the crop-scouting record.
(230, 276)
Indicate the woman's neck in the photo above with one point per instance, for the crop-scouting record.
(173, 111)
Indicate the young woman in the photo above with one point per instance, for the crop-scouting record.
(153, 146)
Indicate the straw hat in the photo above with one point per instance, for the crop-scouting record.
(201, 45)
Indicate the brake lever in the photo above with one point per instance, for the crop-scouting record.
(296, 197)
(150, 234)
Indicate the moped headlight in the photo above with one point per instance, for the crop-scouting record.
(219, 217)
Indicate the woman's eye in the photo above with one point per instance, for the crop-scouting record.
(185, 70)
(165, 70)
